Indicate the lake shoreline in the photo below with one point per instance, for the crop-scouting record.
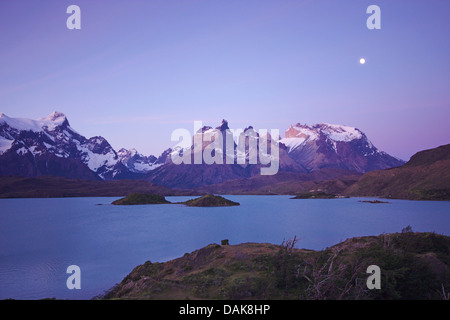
(12, 187)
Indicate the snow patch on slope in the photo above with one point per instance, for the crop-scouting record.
(95, 160)
(5, 144)
(340, 133)
(292, 143)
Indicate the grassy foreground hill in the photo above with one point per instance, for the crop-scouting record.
(413, 266)
(426, 176)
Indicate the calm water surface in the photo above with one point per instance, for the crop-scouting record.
(40, 238)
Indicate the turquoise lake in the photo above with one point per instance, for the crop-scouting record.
(40, 238)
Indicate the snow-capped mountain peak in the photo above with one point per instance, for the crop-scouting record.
(331, 145)
(137, 162)
(51, 140)
(49, 123)
(56, 116)
(296, 135)
(54, 120)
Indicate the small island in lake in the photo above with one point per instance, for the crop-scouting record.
(315, 195)
(210, 200)
(141, 198)
(373, 201)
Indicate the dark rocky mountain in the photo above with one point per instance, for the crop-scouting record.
(426, 176)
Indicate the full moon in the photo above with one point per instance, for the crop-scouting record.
(362, 60)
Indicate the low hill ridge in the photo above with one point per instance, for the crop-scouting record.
(425, 177)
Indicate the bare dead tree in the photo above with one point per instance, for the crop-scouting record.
(387, 241)
(320, 275)
(286, 261)
(354, 283)
(325, 279)
(288, 245)
(445, 296)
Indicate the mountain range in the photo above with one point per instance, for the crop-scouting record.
(50, 146)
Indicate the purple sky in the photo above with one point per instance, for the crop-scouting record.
(137, 70)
